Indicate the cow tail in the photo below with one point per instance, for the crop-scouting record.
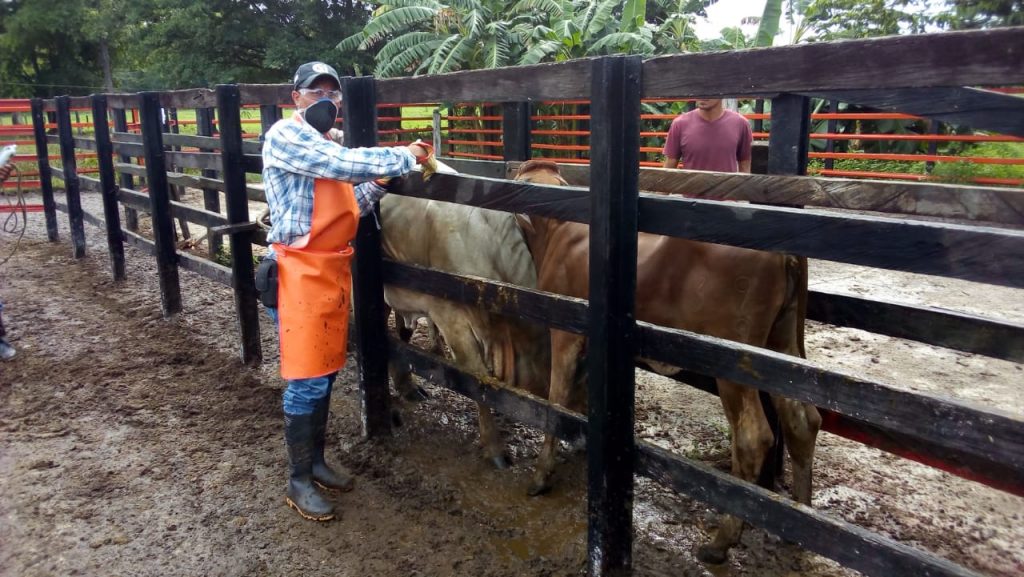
(797, 269)
(787, 333)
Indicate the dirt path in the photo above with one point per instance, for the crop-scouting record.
(131, 445)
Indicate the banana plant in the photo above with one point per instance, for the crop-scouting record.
(579, 28)
(768, 29)
(432, 37)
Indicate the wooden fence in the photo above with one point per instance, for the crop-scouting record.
(976, 443)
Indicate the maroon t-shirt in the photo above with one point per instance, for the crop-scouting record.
(701, 145)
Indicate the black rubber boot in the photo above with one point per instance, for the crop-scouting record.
(326, 477)
(301, 494)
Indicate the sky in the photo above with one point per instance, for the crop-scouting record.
(725, 13)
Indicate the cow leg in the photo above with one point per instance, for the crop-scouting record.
(469, 353)
(565, 356)
(401, 377)
(751, 440)
(800, 425)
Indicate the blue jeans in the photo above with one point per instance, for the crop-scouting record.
(301, 395)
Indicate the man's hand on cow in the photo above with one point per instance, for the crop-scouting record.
(338, 136)
(421, 150)
(424, 154)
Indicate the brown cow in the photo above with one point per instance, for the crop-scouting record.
(747, 296)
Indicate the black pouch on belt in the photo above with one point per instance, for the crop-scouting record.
(266, 282)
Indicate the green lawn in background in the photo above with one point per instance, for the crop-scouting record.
(426, 112)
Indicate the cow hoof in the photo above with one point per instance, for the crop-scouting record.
(536, 489)
(396, 418)
(416, 395)
(711, 554)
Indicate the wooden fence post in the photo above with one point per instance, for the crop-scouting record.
(105, 157)
(70, 171)
(759, 109)
(131, 216)
(788, 140)
(45, 176)
(515, 131)
(360, 114)
(435, 133)
(169, 116)
(160, 203)
(211, 196)
(832, 125)
(611, 452)
(243, 278)
(788, 144)
(269, 114)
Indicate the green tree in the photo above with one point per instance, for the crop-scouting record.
(968, 14)
(730, 38)
(579, 28)
(674, 21)
(102, 24)
(43, 53)
(184, 43)
(841, 19)
(428, 36)
(768, 28)
(80, 46)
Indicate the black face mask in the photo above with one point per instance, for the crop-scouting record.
(321, 114)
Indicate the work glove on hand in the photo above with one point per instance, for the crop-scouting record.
(427, 161)
(337, 136)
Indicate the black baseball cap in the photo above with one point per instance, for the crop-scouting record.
(310, 71)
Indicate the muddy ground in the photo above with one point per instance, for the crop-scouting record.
(134, 445)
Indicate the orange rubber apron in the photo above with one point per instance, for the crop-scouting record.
(315, 285)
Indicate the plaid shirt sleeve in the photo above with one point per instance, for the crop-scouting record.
(297, 148)
(367, 194)
(294, 154)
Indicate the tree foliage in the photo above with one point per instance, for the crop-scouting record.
(768, 28)
(430, 36)
(189, 43)
(42, 51)
(841, 19)
(968, 14)
(52, 47)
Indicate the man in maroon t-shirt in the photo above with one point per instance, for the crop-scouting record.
(709, 138)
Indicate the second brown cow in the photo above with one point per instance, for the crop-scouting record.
(752, 297)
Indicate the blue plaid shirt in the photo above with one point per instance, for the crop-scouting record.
(295, 154)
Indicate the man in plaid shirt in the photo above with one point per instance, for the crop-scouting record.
(295, 154)
(317, 189)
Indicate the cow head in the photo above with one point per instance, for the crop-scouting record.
(540, 172)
